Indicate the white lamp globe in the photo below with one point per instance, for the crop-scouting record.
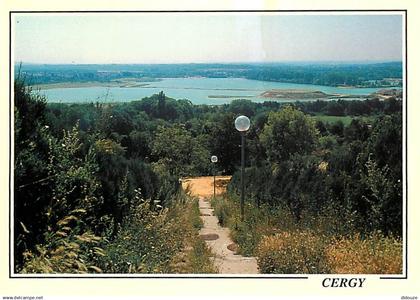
(214, 159)
(242, 123)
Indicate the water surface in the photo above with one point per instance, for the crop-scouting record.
(197, 90)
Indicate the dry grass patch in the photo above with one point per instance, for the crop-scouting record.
(299, 252)
(374, 254)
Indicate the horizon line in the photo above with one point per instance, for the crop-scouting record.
(219, 62)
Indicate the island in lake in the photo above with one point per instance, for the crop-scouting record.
(295, 94)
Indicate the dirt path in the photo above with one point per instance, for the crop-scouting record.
(217, 237)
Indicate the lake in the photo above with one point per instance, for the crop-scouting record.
(197, 90)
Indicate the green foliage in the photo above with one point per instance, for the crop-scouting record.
(162, 107)
(108, 147)
(180, 153)
(257, 223)
(347, 169)
(332, 119)
(224, 143)
(73, 178)
(68, 245)
(242, 107)
(385, 143)
(145, 243)
(31, 180)
(154, 240)
(380, 196)
(335, 109)
(288, 132)
(223, 210)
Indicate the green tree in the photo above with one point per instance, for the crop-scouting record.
(288, 132)
(335, 108)
(242, 107)
(225, 142)
(383, 197)
(175, 149)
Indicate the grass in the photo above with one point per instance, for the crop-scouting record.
(195, 257)
(315, 245)
(172, 235)
(247, 234)
(345, 119)
(374, 254)
(295, 252)
(151, 240)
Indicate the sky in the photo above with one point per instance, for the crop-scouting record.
(205, 38)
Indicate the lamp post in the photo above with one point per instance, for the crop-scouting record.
(242, 124)
(214, 161)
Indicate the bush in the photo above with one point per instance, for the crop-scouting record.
(156, 240)
(299, 252)
(145, 243)
(374, 254)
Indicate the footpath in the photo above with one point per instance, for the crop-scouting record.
(217, 237)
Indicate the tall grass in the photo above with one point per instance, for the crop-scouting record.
(258, 222)
(150, 240)
(326, 243)
(195, 256)
(296, 252)
(373, 254)
(66, 250)
(159, 241)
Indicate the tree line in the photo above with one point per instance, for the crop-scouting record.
(364, 75)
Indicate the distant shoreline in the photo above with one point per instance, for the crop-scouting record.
(68, 85)
(208, 92)
(146, 83)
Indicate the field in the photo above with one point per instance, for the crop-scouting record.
(345, 119)
(333, 119)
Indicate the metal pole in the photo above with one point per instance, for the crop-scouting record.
(214, 182)
(242, 174)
